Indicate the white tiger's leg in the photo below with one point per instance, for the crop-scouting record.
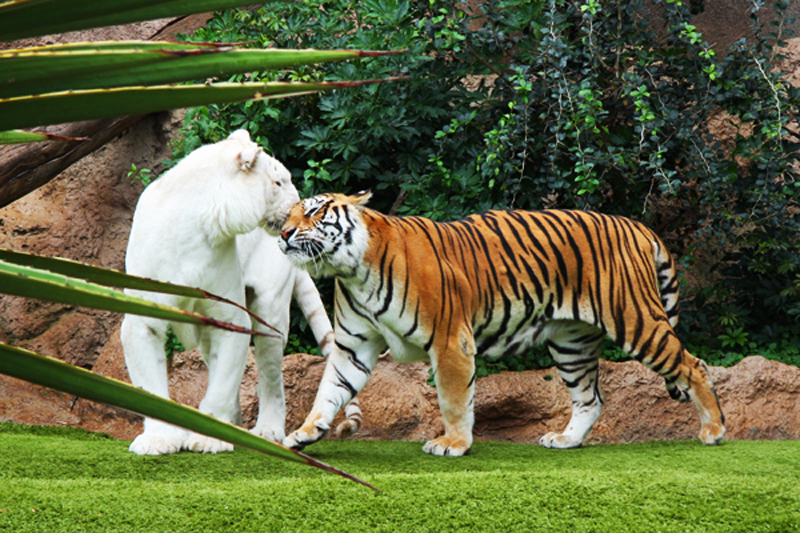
(270, 298)
(143, 345)
(346, 373)
(574, 350)
(225, 354)
(271, 422)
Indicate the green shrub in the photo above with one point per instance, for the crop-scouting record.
(617, 106)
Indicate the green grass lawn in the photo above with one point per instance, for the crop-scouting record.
(54, 479)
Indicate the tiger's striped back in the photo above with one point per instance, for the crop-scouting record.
(526, 268)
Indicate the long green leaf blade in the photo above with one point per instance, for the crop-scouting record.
(102, 276)
(28, 282)
(20, 19)
(113, 278)
(56, 108)
(64, 377)
(108, 65)
(22, 137)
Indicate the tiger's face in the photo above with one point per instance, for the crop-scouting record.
(325, 235)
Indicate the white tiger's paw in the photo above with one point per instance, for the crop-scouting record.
(304, 436)
(156, 444)
(444, 446)
(273, 434)
(202, 444)
(559, 440)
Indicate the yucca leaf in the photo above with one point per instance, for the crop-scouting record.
(29, 282)
(113, 278)
(104, 65)
(102, 276)
(57, 108)
(74, 380)
(22, 137)
(21, 19)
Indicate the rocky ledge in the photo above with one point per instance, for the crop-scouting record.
(760, 399)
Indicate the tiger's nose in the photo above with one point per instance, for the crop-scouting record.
(286, 233)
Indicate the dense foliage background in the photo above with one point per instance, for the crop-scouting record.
(617, 106)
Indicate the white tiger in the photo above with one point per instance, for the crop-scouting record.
(211, 222)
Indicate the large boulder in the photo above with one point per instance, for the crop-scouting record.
(760, 399)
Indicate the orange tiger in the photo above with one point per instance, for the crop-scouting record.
(493, 284)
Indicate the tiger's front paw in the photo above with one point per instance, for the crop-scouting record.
(304, 436)
(273, 434)
(448, 447)
(159, 438)
(559, 440)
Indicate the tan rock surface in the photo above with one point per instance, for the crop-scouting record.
(760, 399)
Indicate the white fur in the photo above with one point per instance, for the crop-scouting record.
(203, 224)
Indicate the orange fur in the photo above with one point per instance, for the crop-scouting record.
(492, 285)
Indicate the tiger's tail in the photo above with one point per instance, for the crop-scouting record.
(667, 278)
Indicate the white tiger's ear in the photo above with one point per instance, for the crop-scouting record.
(247, 157)
(360, 199)
(240, 135)
(250, 150)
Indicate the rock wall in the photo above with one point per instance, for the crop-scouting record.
(760, 400)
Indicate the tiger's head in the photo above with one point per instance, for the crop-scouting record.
(326, 235)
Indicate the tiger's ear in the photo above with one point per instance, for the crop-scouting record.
(361, 198)
(247, 157)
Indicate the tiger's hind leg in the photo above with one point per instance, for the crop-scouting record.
(574, 347)
(675, 392)
(686, 377)
(694, 378)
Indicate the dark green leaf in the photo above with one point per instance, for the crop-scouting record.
(106, 65)
(72, 106)
(63, 377)
(20, 19)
